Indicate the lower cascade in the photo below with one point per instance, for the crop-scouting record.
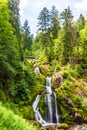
(51, 115)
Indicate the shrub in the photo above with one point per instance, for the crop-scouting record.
(10, 121)
(2, 96)
(27, 112)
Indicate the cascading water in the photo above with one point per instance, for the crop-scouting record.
(37, 70)
(51, 116)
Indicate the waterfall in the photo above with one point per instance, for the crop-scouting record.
(38, 116)
(51, 116)
(37, 70)
(48, 85)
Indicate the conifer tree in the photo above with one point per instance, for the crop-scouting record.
(14, 15)
(67, 18)
(44, 20)
(27, 37)
(9, 55)
(15, 21)
(55, 25)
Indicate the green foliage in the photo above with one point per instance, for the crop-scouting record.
(14, 15)
(55, 25)
(80, 23)
(65, 115)
(10, 121)
(84, 104)
(9, 55)
(44, 20)
(25, 81)
(78, 101)
(36, 45)
(83, 37)
(2, 96)
(66, 15)
(42, 105)
(42, 57)
(78, 71)
(55, 66)
(58, 46)
(27, 38)
(27, 112)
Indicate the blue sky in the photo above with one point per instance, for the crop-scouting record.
(30, 9)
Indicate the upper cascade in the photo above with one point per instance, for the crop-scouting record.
(37, 70)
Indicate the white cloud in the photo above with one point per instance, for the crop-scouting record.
(39, 4)
(23, 4)
(81, 5)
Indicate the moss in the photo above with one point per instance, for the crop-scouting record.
(63, 126)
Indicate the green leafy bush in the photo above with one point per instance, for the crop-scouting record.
(10, 121)
(27, 112)
(2, 96)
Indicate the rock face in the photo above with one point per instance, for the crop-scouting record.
(57, 80)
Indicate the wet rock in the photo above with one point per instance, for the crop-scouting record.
(78, 117)
(76, 127)
(57, 79)
(48, 128)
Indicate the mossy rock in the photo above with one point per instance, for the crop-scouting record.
(62, 126)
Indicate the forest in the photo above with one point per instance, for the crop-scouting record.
(59, 50)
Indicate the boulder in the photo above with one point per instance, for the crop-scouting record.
(78, 117)
(76, 127)
(57, 80)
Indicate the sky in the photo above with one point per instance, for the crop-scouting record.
(30, 9)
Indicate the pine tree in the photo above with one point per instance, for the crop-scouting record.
(83, 45)
(27, 37)
(14, 15)
(55, 25)
(44, 21)
(67, 17)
